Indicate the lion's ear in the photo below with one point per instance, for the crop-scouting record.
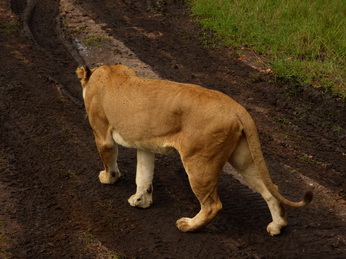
(83, 73)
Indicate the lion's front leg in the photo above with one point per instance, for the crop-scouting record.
(143, 197)
(109, 154)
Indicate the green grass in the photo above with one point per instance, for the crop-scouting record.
(11, 27)
(302, 40)
(94, 39)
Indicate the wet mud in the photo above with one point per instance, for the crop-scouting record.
(52, 204)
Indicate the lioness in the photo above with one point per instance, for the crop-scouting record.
(206, 127)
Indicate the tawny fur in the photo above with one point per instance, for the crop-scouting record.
(207, 128)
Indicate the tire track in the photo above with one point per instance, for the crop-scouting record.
(41, 24)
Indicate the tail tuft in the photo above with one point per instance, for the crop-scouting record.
(83, 73)
(308, 197)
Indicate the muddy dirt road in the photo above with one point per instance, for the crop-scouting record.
(51, 203)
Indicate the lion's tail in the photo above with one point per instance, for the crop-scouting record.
(251, 135)
(83, 73)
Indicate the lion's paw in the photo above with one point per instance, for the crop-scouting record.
(274, 229)
(185, 224)
(141, 200)
(108, 178)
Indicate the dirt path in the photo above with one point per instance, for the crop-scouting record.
(52, 205)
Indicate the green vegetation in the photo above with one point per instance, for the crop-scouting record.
(73, 29)
(284, 121)
(12, 27)
(312, 160)
(93, 39)
(72, 173)
(294, 171)
(118, 256)
(302, 40)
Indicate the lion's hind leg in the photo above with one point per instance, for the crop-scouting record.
(203, 177)
(242, 161)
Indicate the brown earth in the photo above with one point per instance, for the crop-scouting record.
(52, 205)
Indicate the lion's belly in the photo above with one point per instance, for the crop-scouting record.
(121, 141)
(155, 146)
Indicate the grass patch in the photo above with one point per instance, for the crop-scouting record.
(12, 27)
(286, 121)
(70, 174)
(118, 256)
(73, 29)
(312, 160)
(303, 40)
(94, 39)
(293, 171)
